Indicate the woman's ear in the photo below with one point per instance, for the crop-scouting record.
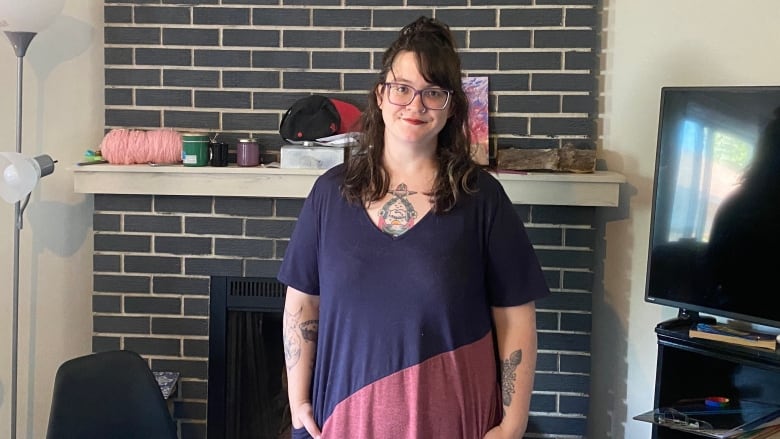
(379, 94)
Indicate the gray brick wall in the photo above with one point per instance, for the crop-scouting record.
(154, 256)
(234, 66)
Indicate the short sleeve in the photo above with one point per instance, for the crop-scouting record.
(300, 266)
(514, 275)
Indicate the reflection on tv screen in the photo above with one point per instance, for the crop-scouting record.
(717, 202)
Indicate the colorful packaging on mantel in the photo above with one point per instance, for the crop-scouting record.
(195, 149)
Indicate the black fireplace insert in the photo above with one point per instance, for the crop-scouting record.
(247, 388)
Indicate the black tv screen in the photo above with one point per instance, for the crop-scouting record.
(715, 228)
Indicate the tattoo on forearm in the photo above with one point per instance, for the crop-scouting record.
(290, 338)
(309, 330)
(295, 333)
(509, 375)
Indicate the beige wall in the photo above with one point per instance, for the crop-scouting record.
(649, 44)
(63, 116)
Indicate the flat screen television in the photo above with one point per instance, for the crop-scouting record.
(715, 229)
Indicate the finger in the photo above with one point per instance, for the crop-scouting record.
(310, 424)
(312, 428)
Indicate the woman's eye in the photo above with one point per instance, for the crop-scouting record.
(401, 89)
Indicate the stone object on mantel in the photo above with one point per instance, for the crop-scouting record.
(565, 159)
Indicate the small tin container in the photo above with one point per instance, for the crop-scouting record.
(247, 152)
(195, 149)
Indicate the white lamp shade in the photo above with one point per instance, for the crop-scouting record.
(28, 15)
(18, 176)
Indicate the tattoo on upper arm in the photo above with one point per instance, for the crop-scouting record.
(509, 375)
(295, 333)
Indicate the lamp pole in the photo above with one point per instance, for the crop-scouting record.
(20, 21)
(20, 41)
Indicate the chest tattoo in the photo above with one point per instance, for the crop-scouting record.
(397, 215)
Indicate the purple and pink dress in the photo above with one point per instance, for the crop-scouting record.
(405, 347)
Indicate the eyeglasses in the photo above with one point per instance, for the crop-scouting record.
(432, 98)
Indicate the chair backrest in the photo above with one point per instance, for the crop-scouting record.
(108, 395)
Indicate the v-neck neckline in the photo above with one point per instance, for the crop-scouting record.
(420, 222)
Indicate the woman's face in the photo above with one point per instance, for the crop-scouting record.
(411, 124)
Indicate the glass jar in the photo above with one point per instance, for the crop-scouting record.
(247, 152)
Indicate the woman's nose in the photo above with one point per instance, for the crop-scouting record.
(419, 106)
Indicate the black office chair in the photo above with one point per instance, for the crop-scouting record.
(108, 395)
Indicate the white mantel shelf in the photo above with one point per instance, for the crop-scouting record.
(600, 188)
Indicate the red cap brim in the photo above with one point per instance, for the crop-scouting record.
(349, 114)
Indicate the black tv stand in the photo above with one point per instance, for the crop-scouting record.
(693, 368)
(685, 319)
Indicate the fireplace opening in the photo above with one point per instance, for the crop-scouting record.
(247, 389)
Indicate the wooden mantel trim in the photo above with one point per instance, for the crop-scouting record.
(600, 188)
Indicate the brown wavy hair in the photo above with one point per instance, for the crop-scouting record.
(366, 179)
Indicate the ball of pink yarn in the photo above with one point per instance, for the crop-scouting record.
(128, 147)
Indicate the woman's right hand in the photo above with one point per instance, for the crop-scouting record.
(305, 415)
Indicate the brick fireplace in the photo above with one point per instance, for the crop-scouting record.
(155, 255)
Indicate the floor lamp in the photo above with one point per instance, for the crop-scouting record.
(21, 21)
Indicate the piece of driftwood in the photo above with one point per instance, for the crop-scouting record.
(564, 159)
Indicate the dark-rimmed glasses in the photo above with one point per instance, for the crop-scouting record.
(432, 98)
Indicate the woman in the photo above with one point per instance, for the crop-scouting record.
(411, 281)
